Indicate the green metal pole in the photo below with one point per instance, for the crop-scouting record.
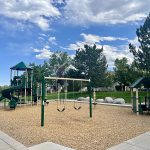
(90, 95)
(42, 102)
(4, 103)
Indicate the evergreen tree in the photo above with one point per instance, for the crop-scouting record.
(133, 73)
(91, 63)
(142, 55)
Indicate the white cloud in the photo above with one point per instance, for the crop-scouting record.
(37, 12)
(41, 38)
(93, 39)
(111, 52)
(86, 12)
(134, 41)
(90, 38)
(52, 40)
(58, 2)
(72, 56)
(77, 45)
(42, 34)
(43, 53)
(47, 46)
(110, 38)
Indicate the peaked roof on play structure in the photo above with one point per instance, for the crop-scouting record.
(143, 81)
(21, 66)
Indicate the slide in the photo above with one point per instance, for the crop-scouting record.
(7, 93)
(1, 98)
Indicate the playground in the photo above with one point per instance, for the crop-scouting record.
(75, 75)
(109, 126)
(69, 119)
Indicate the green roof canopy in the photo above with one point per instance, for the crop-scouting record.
(21, 66)
(143, 81)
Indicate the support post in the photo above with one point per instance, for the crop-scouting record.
(37, 91)
(66, 90)
(27, 87)
(147, 92)
(25, 92)
(90, 95)
(132, 98)
(147, 99)
(41, 89)
(14, 72)
(4, 103)
(137, 102)
(46, 89)
(94, 95)
(42, 102)
(11, 77)
(31, 87)
(27, 80)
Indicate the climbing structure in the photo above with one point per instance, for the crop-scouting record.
(20, 85)
(142, 84)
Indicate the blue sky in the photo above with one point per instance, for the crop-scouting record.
(31, 31)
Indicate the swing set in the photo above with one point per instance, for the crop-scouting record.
(61, 102)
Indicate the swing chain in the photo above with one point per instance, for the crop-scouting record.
(77, 108)
(59, 99)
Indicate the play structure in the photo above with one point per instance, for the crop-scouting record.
(139, 105)
(20, 85)
(63, 84)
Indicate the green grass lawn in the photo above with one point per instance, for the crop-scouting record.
(125, 95)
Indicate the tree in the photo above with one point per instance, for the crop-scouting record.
(38, 73)
(110, 78)
(91, 63)
(125, 74)
(134, 72)
(45, 68)
(58, 63)
(142, 55)
(121, 71)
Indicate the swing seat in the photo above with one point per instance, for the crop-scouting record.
(46, 102)
(77, 108)
(94, 103)
(61, 110)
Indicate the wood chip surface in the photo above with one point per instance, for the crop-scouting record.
(109, 126)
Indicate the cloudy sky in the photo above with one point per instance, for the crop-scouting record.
(31, 30)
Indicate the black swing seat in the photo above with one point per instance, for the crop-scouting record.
(94, 103)
(61, 110)
(77, 108)
(46, 102)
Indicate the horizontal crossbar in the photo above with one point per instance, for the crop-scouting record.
(67, 79)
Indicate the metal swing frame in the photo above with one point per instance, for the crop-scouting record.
(67, 79)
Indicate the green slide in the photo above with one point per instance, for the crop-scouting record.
(7, 93)
(1, 98)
